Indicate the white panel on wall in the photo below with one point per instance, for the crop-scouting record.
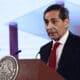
(4, 41)
(74, 1)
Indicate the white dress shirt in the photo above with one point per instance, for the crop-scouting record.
(60, 48)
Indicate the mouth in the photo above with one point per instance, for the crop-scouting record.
(52, 33)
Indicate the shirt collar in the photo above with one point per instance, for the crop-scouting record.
(64, 38)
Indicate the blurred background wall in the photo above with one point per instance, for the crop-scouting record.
(28, 14)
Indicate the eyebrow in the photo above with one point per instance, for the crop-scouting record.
(51, 19)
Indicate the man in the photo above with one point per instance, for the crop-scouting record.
(56, 18)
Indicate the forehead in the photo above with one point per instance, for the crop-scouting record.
(52, 14)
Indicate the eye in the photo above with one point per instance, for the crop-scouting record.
(54, 21)
(46, 21)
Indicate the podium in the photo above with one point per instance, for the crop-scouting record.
(34, 69)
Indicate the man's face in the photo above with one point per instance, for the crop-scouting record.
(55, 26)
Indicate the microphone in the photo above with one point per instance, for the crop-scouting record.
(37, 56)
(18, 52)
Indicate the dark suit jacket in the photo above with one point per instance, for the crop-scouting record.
(69, 64)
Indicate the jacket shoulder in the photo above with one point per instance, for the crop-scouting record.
(47, 45)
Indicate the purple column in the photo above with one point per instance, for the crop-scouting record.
(61, 2)
(13, 34)
(76, 29)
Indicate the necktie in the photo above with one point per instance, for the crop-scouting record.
(52, 60)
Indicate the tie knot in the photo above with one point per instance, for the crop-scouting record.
(56, 45)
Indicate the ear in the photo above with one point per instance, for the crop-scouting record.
(66, 22)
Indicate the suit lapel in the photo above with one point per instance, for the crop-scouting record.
(66, 57)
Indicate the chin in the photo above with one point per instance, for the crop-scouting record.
(56, 39)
